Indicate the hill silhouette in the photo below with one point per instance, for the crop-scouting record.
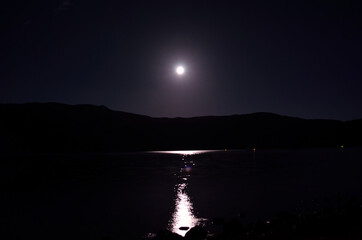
(55, 127)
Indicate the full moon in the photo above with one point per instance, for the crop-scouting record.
(180, 70)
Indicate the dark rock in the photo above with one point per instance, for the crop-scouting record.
(233, 228)
(167, 235)
(217, 221)
(184, 228)
(196, 233)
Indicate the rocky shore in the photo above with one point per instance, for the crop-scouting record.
(341, 221)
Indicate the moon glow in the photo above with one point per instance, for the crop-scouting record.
(180, 70)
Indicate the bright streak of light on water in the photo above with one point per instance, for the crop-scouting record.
(183, 215)
(186, 152)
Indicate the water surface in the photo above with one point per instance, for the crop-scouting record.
(127, 195)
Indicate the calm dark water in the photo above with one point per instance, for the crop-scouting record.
(126, 196)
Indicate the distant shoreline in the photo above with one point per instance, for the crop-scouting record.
(53, 127)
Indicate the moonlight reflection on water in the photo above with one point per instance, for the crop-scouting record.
(183, 216)
(185, 152)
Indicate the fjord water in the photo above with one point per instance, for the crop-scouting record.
(128, 195)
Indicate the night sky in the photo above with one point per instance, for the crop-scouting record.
(297, 58)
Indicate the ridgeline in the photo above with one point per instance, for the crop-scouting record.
(54, 127)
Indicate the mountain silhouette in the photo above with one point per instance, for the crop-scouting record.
(55, 127)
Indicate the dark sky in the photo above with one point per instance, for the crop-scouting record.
(298, 58)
